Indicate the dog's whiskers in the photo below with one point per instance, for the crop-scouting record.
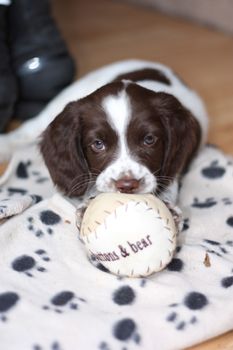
(86, 180)
(79, 185)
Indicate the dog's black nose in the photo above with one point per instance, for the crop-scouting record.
(127, 185)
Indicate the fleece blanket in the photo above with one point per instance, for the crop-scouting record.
(53, 298)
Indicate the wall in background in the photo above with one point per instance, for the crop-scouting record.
(216, 13)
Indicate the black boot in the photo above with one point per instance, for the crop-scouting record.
(40, 57)
(8, 90)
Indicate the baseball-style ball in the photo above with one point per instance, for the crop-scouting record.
(132, 235)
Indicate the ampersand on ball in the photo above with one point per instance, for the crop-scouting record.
(132, 235)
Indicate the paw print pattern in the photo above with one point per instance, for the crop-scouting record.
(227, 201)
(8, 300)
(176, 265)
(64, 301)
(22, 169)
(187, 312)
(15, 190)
(207, 203)
(124, 295)
(104, 346)
(22, 172)
(186, 224)
(227, 282)
(215, 247)
(48, 218)
(125, 330)
(39, 179)
(229, 221)
(28, 265)
(54, 346)
(11, 191)
(213, 171)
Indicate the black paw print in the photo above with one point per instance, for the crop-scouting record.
(22, 169)
(125, 330)
(48, 218)
(185, 224)
(194, 302)
(104, 346)
(22, 172)
(217, 248)
(227, 282)
(64, 301)
(39, 178)
(54, 346)
(125, 295)
(176, 265)
(213, 171)
(227, 201)
(208, 203)
(27, 264)
(229, 221)
(7, 301)
(16, 190)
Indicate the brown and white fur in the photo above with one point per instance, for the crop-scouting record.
(133, 126)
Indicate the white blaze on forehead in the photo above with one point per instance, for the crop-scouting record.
(117, 109)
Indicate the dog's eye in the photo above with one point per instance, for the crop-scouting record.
(98, 146)
(149, 140)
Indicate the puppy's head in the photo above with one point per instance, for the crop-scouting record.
(122, 137)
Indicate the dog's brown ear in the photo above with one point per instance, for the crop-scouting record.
(182, 134)
(62, 152)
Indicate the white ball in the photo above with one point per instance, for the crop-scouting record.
(130, 234)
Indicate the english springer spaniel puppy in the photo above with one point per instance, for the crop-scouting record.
(135, 130)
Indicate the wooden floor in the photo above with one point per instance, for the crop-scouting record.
(102, 31)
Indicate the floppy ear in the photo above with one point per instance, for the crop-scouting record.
(182, 132)
(62, 152)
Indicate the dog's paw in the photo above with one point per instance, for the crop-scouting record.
(176, 214)
(79, 216)
(80, 210)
